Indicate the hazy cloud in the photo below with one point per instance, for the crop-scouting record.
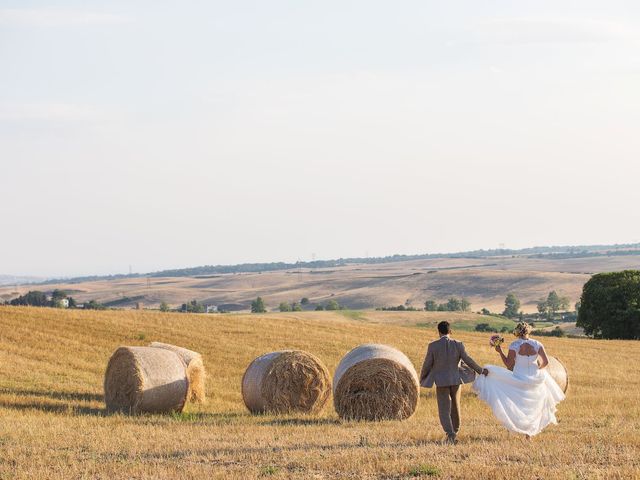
(510, 31)
(50, 111)
(53, 17)
(445, 117)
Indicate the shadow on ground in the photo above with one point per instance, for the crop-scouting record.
(61, 408)
(301, 421)
(53, 394)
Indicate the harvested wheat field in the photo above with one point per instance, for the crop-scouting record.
(53, 422)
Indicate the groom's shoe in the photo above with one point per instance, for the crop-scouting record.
(451, 440)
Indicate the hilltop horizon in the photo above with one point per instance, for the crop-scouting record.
(483, 278)
(574, 250)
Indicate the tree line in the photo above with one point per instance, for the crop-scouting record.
(36, 298)
(452, 305)
(258, 306)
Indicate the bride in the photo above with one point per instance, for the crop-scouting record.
(524, 400)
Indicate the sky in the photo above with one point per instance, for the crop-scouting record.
(155, 134)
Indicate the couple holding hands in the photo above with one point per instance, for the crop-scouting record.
(523, 396)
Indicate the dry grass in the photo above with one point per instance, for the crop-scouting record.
(53, 423)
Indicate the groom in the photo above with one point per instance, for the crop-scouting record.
(442, 367)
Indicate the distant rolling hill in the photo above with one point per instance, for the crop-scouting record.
(553, 252)
(483, 280)
(18, 279)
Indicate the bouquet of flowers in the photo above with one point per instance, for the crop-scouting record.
(496, 340)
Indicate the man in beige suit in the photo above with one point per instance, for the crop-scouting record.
(442, 367)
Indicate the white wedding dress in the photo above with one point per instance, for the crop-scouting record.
(524, 400)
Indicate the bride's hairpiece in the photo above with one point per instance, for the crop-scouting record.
(522, 329)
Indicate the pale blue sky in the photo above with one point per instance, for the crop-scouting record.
(168, 134)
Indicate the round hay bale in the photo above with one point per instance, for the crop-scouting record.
(196, 372)
(558, 372)
(286, 381)
(375, 382)
(145, 380)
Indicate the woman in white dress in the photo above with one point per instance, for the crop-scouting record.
(524, 397)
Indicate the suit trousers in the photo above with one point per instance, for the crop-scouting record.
(449, 408)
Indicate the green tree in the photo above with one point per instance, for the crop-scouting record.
(453, 305)
(430, 306)
(511, 306)
(553, 302)
(192, 307)
(93, 305)
(72, 302)
(284, 307)
(557, 303)
(257, 306)
(465, 305)
(32, 298)
(319, 308)
(485, 327)
(296, 307)
(58, 295)
(164, 307)
(57, 298)
(610, 305)
(332, 305)
(304, 301)
(485, 311)
(543, 307)
(197, 307)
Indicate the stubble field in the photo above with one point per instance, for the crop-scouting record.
(53, 423)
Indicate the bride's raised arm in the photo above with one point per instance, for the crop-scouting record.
(508, 360)
(543, 361)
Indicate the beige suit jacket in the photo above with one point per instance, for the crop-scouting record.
(442, 364)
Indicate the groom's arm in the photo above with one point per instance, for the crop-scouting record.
(427, 365)
(470, 361)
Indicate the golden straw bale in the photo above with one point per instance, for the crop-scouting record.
(145, 380)
(286, 381)
(196, 372)
(375, 382)
(558, 372)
